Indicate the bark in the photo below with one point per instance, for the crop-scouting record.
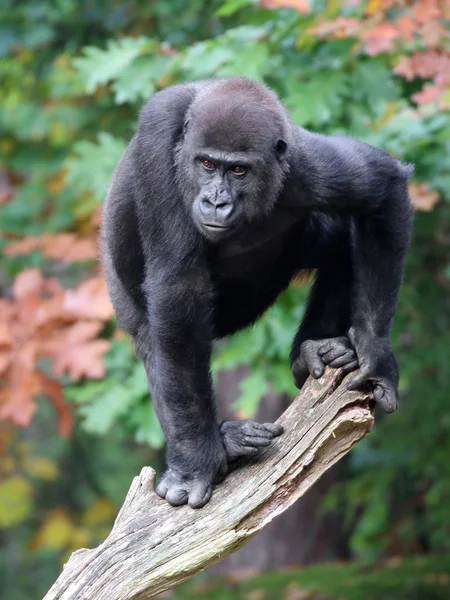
(304, 533)
(153, 546)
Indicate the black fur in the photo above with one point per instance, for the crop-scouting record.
(219, 201)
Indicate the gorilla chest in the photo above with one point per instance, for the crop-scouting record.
(248, 281)
(257, 251)
(237, 262)
(254, 255)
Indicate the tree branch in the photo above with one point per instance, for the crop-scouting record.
(153, 546)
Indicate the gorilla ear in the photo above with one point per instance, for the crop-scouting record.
(185, 126)
(280, 148)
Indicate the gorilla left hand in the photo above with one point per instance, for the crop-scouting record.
(377, 367)
(315, 355)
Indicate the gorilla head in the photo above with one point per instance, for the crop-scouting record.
(231, 162)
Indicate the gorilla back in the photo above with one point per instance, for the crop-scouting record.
(219, 201)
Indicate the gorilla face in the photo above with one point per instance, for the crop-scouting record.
(227, 197)
(231, 166)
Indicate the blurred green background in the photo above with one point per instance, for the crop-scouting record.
(76, 423)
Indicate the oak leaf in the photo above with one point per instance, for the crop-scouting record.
(341, 27)
(76, 351)
(66, 247)
(430, 93)
(89, 301)
(301, 6)
(422, 196)
(44, 320)
(380, 38)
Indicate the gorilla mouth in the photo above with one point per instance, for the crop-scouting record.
(215, 226)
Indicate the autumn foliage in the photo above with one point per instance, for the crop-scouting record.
(48, 332)
(422, 20)
(76, 419)
(42, 320)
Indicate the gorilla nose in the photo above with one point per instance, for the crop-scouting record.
(217, 210)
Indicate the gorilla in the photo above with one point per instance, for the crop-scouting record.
(219, 201)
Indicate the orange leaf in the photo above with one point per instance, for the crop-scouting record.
(83, 360)
(406, 27)
(76, 351)
(302, 6)
(5, 362)
(73, 335)
(54, 391)
(6, 338)
(426, 65)
(28, 282)
(89, 301)
(432, 32)
(66, 247)
(429, 94)
(380, 39)
(427, 9)
(422, 196)
(17, 402)
(43, 320)
(339, 28)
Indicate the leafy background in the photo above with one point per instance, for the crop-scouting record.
(74, 407)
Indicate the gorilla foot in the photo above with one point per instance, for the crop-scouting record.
(247, 438)
(177, 489)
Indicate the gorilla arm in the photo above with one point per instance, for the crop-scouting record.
(347, 177)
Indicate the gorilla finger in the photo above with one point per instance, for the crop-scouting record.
(252, 425)
(314, 363)
(378, 393)
(339, 342)
(260, 431)
(341, 361)
(275, 428)
(358, 380)
(386, 398)
(300, 377)
(249, 450)
(177, 496)
(328, 358)
(257, 441)
(349, 355)
(200, 494)
(352, 366)
(326, 347)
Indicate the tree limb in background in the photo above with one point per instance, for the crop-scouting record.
(153, 546)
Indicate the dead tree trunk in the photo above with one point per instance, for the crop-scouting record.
(153, 547)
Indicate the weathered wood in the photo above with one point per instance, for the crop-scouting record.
(153, 546)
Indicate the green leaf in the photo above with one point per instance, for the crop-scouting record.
(94, 164)
(104, 411)
(137, 82)
(233, 6)
(148, 430)
(252, 389)
(98, 67)
(317, 101)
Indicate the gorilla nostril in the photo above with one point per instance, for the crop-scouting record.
(224, 209)
(206, 207)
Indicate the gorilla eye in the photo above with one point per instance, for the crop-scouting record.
(237, 170)
(208, 165)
